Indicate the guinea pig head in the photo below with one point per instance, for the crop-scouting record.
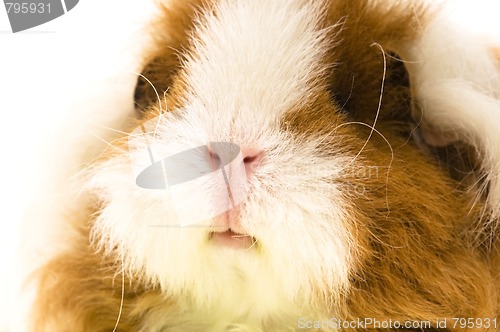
(274, 165)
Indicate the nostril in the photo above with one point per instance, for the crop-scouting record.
(213, 155)
(251, 158)
(214, 158)
(219, 155)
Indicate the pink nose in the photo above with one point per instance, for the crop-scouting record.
(252, 158)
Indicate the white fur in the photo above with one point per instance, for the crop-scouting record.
(456, 82)
(254, 61)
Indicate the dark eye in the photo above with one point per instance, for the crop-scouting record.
(375, 88)
(154, 80)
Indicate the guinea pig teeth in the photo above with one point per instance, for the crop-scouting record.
(232, 239)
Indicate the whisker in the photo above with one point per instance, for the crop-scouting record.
(414, 128)
(254, 243)
(123, 293)
(379, 102)
(110, 129)
(154, 88)
(400, 60)
(372, 127)
(350, 93)
(141, 107)
(160, 117)
(392, 155)
(417, 17)
(164, 97)
(108, 144)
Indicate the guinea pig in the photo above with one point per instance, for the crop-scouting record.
(320, 165)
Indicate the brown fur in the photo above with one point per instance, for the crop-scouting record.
(81, 291)
(415, 223)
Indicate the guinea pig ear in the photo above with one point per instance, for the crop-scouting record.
(171, 32)
(455, 81)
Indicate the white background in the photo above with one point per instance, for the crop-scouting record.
(58, 83)
(61, 81)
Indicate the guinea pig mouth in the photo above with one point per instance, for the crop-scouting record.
(231, 239)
